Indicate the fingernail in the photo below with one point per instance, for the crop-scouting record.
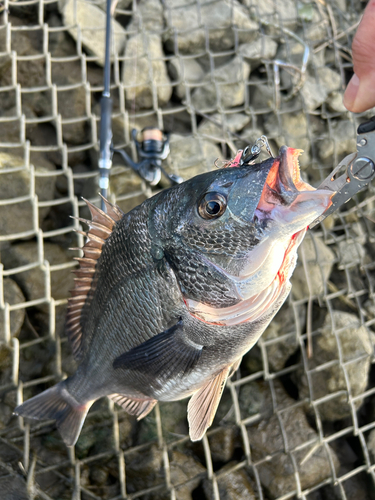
(351, 92)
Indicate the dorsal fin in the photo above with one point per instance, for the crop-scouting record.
(100, 228)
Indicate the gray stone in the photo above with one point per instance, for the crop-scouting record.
(12, 295)
(144, 470)
(277, 473)
(91, 20)
(145, 69)
(262, 97)
(185, 473)
(350, 253)
(335, 103)
(319, 260)
(283, 332)
(232, 484)
(222, 444)
(371, 444)
(234, 122)
(123, 182)
(342, 141)
(33, 282)
(313, 93)
(294, 133)
(254, 52)
(13, 488)
(148, 17)
(186, 21)
(185, 71)
(18, 217)
(191, 156)
(355, 344)
(229, 88)
(329, 79)
(284, 11)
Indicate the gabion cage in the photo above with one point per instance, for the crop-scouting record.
(297, 420)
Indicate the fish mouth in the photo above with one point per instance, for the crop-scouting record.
(284, 183)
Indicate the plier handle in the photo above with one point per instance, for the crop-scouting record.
(360, 170)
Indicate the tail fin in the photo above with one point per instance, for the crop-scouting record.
(57, 404)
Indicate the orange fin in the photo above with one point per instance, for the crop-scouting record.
(203, 405)
(100, 228)
(138, 407)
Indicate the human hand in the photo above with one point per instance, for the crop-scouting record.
(360, 92)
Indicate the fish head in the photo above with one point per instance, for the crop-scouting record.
(246, 222)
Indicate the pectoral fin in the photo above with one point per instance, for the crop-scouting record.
(203, 405)
(167, 355)
(138, 407)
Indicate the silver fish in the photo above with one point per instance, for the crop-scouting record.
(171, 295)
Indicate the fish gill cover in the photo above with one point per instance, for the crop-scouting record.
(298, 416)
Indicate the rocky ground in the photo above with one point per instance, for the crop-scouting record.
(298, 418)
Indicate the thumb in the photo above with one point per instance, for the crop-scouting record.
(360, 92)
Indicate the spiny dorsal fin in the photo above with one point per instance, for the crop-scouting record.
(138, 407)
(203, 405)
(100, 228)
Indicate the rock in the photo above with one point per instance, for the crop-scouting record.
(148, 17)
(354, 343)
(350, 253)
(126, 185)
(319, 260)
(218, 16)
(335, 104)
(230, 87)
(140, 77)
(329, 79)
(262, 97)
(13, 488)
(294, 133)
(32, 282)
(222, 444)
(341, 141)
(316, 90)
(232, 123)
(91, 20)
(371, 444)
(185, 71)
(313, 93)
(191, 156)
(284, 11)
(283, 327)
(18, 217)
(262, 48)
(233, 485)
(12, 295)
(144, 470)
(185, 471)
(277, 473)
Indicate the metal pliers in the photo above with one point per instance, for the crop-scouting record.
(360, 170)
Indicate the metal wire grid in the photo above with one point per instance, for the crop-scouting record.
(64, 466)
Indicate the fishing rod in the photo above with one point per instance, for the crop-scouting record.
(105, 157)
(152, 146)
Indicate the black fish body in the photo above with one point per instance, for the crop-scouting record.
(170, 296)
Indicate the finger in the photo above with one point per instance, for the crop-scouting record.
(360, 92)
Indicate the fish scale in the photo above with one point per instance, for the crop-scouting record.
(170, 296)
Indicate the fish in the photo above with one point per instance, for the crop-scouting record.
(170, 296)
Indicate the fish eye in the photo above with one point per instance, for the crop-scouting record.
(212, 205)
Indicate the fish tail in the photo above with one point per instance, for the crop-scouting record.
(57, 404)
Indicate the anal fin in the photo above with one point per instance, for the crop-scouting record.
(203, 405)
(138, 407)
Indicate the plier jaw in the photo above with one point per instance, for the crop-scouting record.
(359, 171)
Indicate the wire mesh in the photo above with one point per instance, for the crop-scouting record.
(297, 420)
